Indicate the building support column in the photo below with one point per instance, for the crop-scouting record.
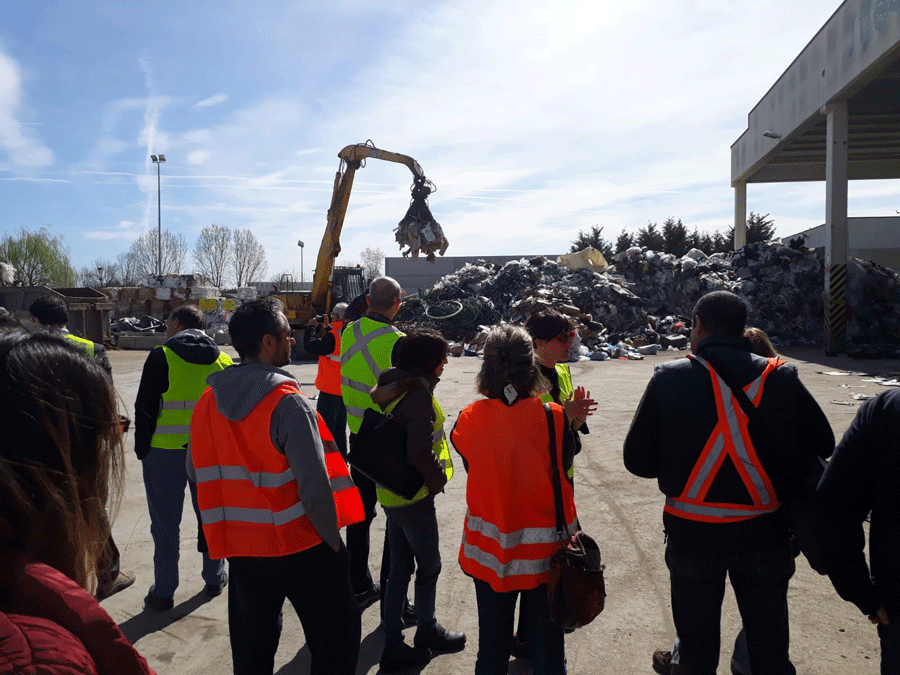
(836, 236)
(740, 214)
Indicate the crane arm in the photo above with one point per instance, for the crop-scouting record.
(351, 157)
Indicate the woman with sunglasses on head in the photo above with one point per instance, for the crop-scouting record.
(553, 335)
(60, 459)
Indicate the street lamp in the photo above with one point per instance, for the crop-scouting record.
(300, 244)
(158, 160)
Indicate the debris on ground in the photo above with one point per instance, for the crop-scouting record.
(646, 297)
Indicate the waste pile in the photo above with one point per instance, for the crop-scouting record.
(645, 298)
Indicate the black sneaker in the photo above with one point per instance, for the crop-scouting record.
(403, 656)
(520, 650)
(215, 590)
(662, 662)
(153, 601)
(409, 615)
(368, 597)
(439, 639)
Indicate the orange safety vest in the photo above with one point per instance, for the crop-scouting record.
(510, 529)
(730, 438)
(246, 489)
(328, 379)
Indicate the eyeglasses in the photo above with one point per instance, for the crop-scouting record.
(568, 335)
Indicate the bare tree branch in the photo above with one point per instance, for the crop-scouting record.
(250, 260)
(212, 253)
(371, 259)
(143, 253)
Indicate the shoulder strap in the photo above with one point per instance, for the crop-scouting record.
(561, 528)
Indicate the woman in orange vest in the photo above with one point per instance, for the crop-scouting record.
(510, 528)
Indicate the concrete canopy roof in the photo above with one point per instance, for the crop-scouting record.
(855, 57)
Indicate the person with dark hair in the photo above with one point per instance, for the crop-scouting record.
(173, 378)
(509, 535)
(322, 338)
(50, 311)
(407, 391)
(860, 483)
(366, 346)
(61, 465)
(728, 435)
(273, 492)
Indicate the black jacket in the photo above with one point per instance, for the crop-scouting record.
(862, 478)
(319, 345)
(676, 417)
(194, 346)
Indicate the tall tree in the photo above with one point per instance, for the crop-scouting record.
(100, 273)
(127, 271)
(250, 261)
(675, 236)
(759, 228)
(371, 259)
(40, 259)
(593, 237)
(213, 254)
(624, 241)
(650, 237)
(143, 253)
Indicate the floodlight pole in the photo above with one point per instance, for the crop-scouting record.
(300, 244)
(158, 160)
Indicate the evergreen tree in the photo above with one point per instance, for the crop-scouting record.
(675, 236)
(593, 237)
(624, 242)
(759, 228)
(650, 237)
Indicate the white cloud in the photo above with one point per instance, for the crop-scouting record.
(20, 143)
(198, 156)
(125, 229)
(211, 101)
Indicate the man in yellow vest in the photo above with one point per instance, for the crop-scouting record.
(172, 381)
(274, 491)
(51, 312)
(366, 346)
(322, 338)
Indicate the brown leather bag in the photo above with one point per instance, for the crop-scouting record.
(576, 591)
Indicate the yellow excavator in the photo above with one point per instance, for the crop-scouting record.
(418, 230)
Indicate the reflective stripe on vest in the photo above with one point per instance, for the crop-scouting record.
(441, 450)
(247, 491)
(509, 534)
(366, 347)
(186, 383)
(328, 377)
(565, 390)
(86, 345)
(729, 438)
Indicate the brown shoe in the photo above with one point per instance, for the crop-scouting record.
(662, 662)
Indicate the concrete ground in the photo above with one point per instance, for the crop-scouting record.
(622, 512)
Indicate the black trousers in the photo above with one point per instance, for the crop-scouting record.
(317, 584)
(358, 541)
(760, 583)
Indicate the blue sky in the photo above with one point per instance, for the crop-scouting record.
(535, 120)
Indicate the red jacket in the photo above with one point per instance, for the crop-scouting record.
(49, 625)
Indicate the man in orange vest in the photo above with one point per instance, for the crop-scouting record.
(273, 492)
(728, 435)
(322, 338)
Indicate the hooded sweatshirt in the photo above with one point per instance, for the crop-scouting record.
(192, 345)
(294, 431)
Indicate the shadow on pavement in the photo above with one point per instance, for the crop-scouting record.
(887, 366)
(150, 621)
(369, 655)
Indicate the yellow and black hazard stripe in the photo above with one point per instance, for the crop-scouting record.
(836, 311)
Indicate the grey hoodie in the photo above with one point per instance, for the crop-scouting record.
(294, 432)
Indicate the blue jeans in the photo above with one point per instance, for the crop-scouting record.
(760, 583)
(890, 646)
(165, 478)
(496, 615)
(413, 542)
